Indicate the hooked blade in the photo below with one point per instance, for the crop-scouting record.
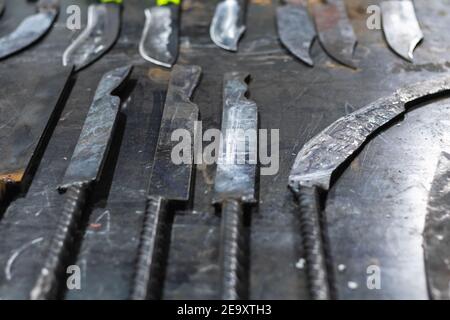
(101, 33)
(31, 29)
(159, 41)
(400, 27)
(228, 24)
(236, 167)
(321, 156)
(296, 30)
(335, 31)
(95, 138)
(171, 179)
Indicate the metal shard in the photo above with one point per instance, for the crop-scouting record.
(401, 28)
(437, 232)
(236, 167)
(321, 156)
(335, 31)
(31, 29)
(296, 30)
(228, 24)
(170, 178)
(101, 33)
(159, 41)
(93, 144)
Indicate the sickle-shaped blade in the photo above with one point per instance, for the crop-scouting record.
(31, 29)
(227, 25)
(335, 31)
(99, 36)
(400, 27)
(296, 30)
(159, 42)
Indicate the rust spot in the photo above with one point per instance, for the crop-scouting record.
(95, 225)
(14, 177)
(158, 75)
(262, 2)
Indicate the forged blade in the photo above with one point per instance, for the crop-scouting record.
(228, 24)
(159, 41)
(401, 28)
(95, 138)
(101, 33)
(31, 29)
(321, 156)
(437, 232)
(236, 167)
(296, 30)
(171, 179)
(335, 31)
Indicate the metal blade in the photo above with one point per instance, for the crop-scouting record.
(401, 28)
(228, 24)
(31, 29)
(2, 6)
(325, 153)
(335, 31)
(236, 168)
(159, 41)
(101, 33)
(170, 180)
(95, 138)
(296, 30)
(437, 232)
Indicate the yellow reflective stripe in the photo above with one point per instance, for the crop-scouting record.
(166, 2)
(112, 1)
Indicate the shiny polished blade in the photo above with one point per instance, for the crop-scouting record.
(31, 29)
(228, 24)
(159, 41)
(101, 33)
(401, 28)
(237, 162)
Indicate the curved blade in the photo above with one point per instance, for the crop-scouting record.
(159, 42)
(335, 31)
(401, 28)
(325, 153)
(30, 30)
(296, 31)
(99, 36)
(227, 25)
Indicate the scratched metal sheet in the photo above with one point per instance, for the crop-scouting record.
(298, 100)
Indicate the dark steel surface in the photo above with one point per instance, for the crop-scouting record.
(379, 198)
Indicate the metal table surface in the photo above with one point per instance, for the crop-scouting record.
(375, 212)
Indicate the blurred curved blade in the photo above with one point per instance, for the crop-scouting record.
(99, 36)
(400, 27)
(30, 30)
(227, 25)
(159, 42)
(2, 6)
(296, 31)
(335, 31)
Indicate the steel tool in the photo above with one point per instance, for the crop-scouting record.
(321, 158)
(159, 41)
(235, 180)
(31, 29)
(228, 24)
(82, 174)
(296, 29)
(401, 28)
(170, 181)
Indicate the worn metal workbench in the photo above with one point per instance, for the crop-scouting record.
(375, 212)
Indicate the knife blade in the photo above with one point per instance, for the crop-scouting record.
(228, 24)
(401, 28)
(235, 180)
(31, 29)
(159, 41)
(335, 31)
(296, 29)
(82, 173)
(324, 155)
(98, 37)
(169, 182)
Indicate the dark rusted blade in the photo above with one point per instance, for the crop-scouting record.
(2, 6)
(169, 179)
